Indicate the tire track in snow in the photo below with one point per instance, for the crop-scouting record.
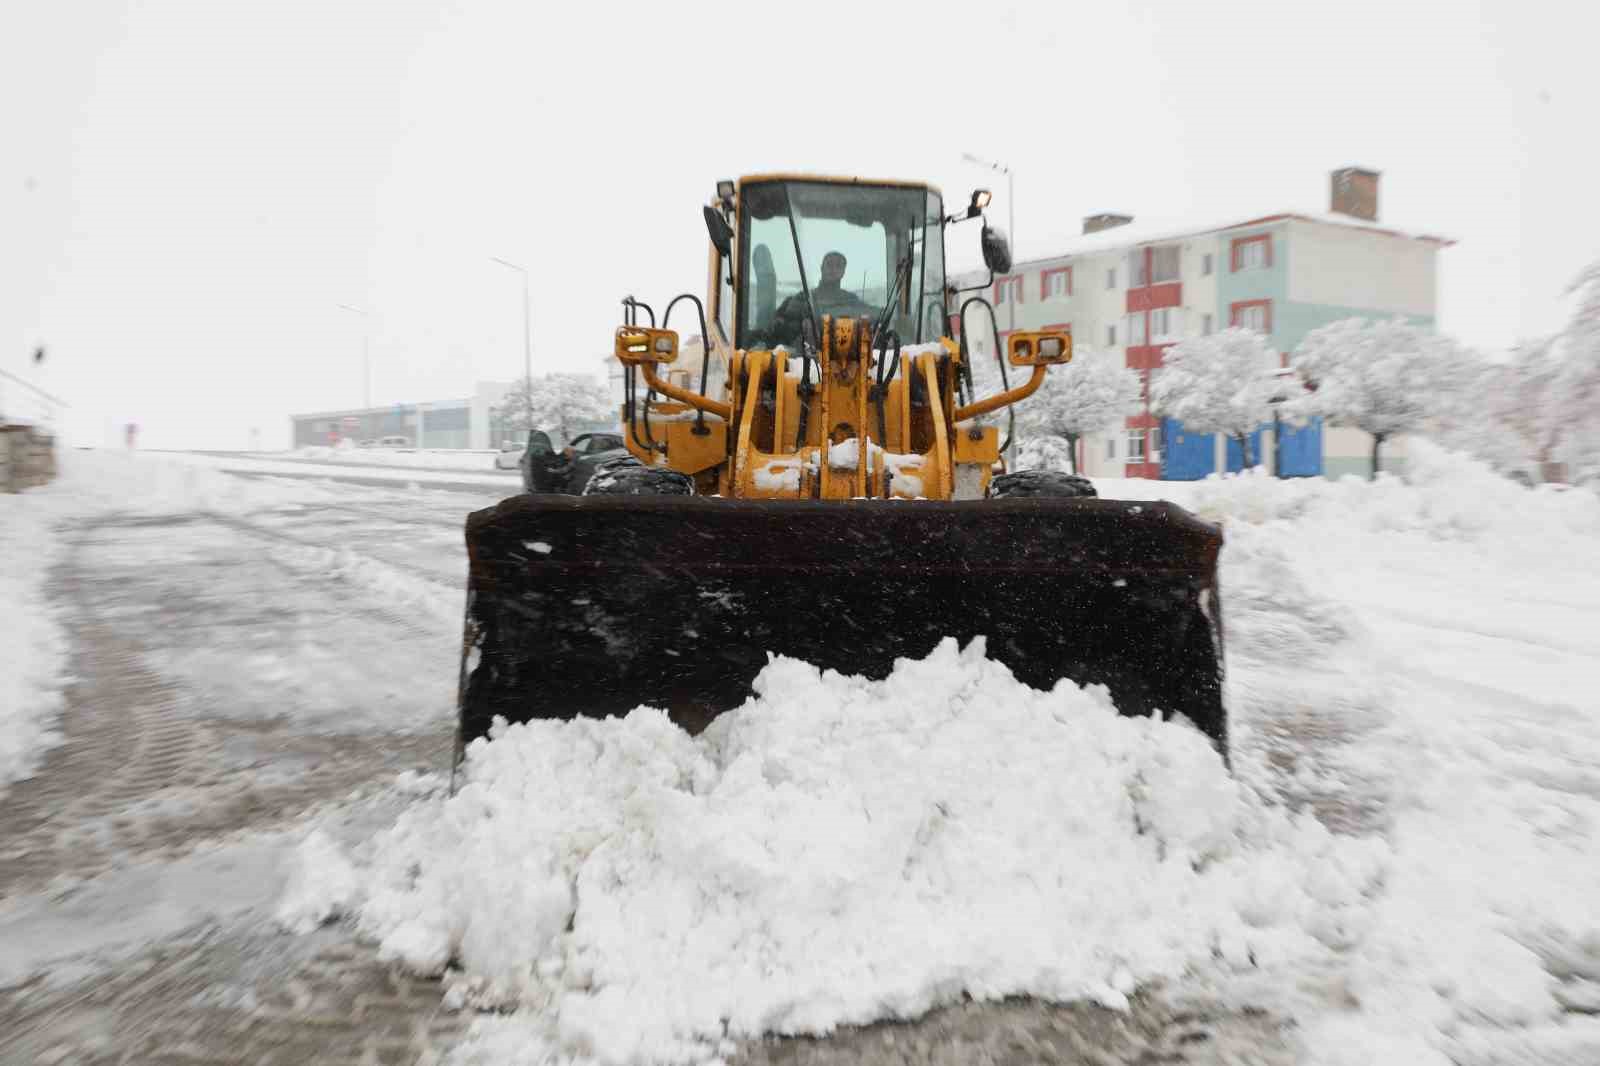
(387, 578)
(145, 766)
(124, 738)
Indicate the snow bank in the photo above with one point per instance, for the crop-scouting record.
(442, 459)
(837, 851)
(152, 484)
(400, 473)
(1445, 495)
(1416, 660)
(32, 641)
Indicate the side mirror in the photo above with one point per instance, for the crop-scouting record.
(717, 226)
(996, 251)
(1045, 347)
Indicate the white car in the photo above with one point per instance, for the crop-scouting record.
(510, 456)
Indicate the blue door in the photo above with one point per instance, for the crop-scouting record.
(1186, 456)
(1300, 450)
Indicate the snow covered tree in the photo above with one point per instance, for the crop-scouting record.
(1501, 412)
(1093, 392)
(1220, 383)
(1383, 378)
(1574, 400)
(562, 402)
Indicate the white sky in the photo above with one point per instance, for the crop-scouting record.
(188, 189)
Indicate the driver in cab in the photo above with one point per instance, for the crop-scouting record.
(829, 297)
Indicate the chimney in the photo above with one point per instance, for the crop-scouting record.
(1354, 192)
(1096, 223)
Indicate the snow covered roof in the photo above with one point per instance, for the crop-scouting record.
(1061, 246)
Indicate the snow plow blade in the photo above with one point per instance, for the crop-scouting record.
(595, 605)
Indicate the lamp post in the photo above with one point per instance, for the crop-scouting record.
(366, 356)
(527, 339)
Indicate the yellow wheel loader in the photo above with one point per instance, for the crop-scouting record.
(823, 485)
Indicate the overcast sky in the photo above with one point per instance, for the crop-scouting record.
(190, 188)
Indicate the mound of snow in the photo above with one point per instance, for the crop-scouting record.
(33, 644)
(1445, 495)
(837, 851)
(156, 484)
(347, 452)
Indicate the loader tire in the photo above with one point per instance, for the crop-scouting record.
(1034, 483)
(629, 477)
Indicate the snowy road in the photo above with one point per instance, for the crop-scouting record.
(249, 661)
(232, 674)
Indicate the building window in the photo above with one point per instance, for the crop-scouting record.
(1135, 446)
(1155, 444)
(1111, 447)
(1163, 264)
(1006, 290)
(1111, 278)
(1136, 334)
(1205, 265)
(1205, 325)
(1055, 284)
(1252, 253)
(1137, 278)
(1251, 314)
(1165, 324)
(1111, 336)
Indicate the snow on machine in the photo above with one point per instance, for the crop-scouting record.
(824, 485)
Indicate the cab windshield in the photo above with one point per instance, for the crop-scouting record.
(809, 249)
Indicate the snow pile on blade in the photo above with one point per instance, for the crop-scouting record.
(838, 851)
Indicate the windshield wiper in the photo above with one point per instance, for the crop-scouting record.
(902, 273)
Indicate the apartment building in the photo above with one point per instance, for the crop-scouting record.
(1140, 288)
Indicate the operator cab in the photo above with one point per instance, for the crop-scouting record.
(810, 248)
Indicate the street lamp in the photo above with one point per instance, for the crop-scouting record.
(1011, 216)
(366, 356)
(527, 338)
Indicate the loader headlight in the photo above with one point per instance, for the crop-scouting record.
(643, 344)
(1040, 347)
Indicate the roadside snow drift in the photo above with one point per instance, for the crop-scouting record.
(837, 851)
(32, 642)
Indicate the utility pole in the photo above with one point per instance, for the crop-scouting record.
(527, 338)
(366, 356)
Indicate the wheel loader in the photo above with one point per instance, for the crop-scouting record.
(826, 485)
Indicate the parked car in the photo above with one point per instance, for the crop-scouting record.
(568, 470)
(395, 442)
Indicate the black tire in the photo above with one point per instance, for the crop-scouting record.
(1035, 483)
(629, 477)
